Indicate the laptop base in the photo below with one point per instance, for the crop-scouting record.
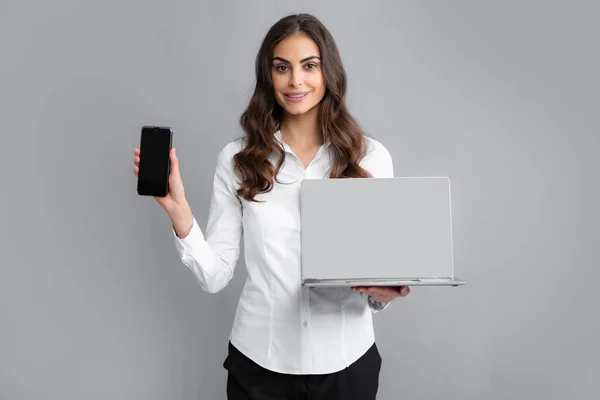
(438, 281)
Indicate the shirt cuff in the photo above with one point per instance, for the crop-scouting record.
(376, 306)
(195, 237)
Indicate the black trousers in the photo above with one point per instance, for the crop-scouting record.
(247, 380)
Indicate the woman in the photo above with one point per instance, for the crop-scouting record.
(287, 341)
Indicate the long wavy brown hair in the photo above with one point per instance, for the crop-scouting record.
(263, 116)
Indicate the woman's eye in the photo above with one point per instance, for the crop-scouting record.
(280, 68)
(311, 65)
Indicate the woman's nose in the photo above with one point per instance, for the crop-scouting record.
(296, 79)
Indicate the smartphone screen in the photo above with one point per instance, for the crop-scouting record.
(155, 163)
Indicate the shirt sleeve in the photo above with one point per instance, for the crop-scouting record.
(213, 257)
(378, 161)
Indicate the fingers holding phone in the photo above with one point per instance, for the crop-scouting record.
(136, 161)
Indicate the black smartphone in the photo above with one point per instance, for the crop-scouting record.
(155, 161)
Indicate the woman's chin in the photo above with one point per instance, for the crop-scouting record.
(297, 111)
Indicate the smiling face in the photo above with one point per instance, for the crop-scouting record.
(297, 77)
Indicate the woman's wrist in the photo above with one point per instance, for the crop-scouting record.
(182, 219)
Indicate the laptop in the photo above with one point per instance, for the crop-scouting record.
(377, 232)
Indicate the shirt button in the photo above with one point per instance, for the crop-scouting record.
(305, 324)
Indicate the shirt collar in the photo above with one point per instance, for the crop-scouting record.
(287, 148)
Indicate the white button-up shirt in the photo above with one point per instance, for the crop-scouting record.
(280, 324)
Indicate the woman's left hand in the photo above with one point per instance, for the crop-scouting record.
(384, 294)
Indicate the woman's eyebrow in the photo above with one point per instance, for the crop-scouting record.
(303, 60)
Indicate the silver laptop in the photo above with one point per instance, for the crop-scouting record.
(377, 232)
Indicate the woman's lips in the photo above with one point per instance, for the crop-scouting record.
(296, 97)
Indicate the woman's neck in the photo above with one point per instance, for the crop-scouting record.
(302, 131)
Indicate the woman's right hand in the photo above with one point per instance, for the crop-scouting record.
(175, 199)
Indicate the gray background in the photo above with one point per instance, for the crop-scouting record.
(499, 96)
